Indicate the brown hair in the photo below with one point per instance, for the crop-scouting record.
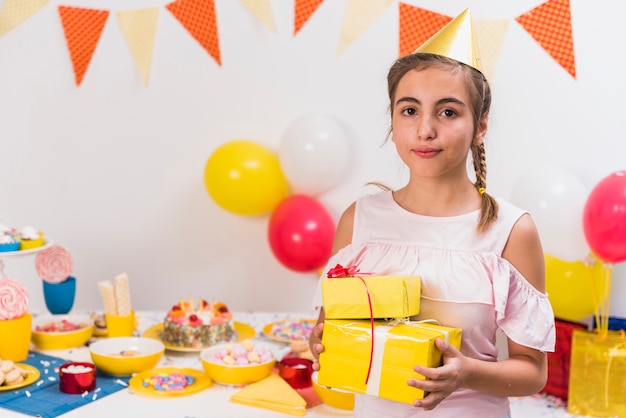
(480, 95)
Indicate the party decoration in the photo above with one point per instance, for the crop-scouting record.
(262, 10)
(14, 12)
(550, 24)
(555, 199)
(304, 9)
(576, 289)
(82, 28)
(455, 40)
(301, 233)
(490, 35)
(13, 299)
(604, 218)
(416, 26)
(359, 16)
(198, 17)
(313, 153)
(54, 264)
(139, 28)
(245, 178)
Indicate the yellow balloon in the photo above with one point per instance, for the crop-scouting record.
(245, 178)
(576, 289)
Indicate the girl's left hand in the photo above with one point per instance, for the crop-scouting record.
(440, 381)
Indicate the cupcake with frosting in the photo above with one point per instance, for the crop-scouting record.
(30, 238)
(13, 299)
(8, 243)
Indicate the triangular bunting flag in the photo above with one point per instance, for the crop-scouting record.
(490, 36)
(82, 28)
(139, 28)
(198, 17)
(15, 12)
(417, 26)
(303, 11)
(262, 10)
(359, 16)
(551, 25)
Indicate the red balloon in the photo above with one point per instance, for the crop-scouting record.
(301, 233)
(604, 218)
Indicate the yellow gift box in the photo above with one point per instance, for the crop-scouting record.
(597, 379)
(398, 346)
(391, 297)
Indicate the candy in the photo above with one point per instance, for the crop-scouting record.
(122, 294)
(243, 354)
(108, 297)
(54, 264)
(13, 298)
(170, 382)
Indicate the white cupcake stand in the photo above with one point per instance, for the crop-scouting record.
(10, 254)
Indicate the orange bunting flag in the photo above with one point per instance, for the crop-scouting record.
(198, 17)
(303, 11)
(550, 24)
(262, 10)
(15, 12)
(82, 28)
(417, 26)
(139, 28)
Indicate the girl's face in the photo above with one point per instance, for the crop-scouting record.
(432, 123)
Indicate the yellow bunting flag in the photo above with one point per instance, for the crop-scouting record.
(359, 16)
(417, 25)
(15, 12)
(490, 36)
(82, 28)
(302, 13)
(198, 17)
(262, 10)
(550, 24)
(139, 28)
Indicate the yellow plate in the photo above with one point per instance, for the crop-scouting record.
(202, 381)
(269, 332)
(242, 332)
(30, 378)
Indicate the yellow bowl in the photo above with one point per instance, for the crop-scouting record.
(61, 340)
(336, 398)
(123, 356)
(235, 374)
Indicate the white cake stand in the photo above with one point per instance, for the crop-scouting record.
(9, 254)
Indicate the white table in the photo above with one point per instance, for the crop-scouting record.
(214, 401)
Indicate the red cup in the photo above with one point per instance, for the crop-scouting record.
(77, 377)
(296, 371)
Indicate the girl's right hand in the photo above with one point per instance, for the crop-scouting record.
(316, 344)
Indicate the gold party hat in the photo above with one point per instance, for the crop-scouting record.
(456, 40)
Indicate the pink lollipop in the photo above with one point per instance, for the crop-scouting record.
(54, 264)
(13, 299)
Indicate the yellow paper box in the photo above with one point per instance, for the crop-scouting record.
(597, 379)
(391, 296)
(398, 347)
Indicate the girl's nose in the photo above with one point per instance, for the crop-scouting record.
(426, 128)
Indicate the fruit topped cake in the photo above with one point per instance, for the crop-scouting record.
(200, 326)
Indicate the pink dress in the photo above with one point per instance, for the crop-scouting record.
(465, 283)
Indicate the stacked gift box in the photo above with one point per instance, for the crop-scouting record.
(370, 345)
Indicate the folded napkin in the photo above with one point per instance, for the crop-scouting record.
(273, 393)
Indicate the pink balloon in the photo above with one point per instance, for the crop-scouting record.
(301, 233)
(604, 218)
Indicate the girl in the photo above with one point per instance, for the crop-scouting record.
(479, 258)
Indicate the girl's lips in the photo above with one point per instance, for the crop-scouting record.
(426, 153)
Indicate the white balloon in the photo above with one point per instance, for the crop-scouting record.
(555, 199)
(313, 153)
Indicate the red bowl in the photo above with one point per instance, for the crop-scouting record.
(77, 377)
(296, 371)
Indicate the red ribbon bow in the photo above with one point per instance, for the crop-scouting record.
(340, 271)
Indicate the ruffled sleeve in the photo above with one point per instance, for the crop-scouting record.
(524, 314)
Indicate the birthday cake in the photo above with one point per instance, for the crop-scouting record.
(200, 326)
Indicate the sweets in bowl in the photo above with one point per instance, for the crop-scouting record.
(58, 332)
(237, 364)
(123, 356)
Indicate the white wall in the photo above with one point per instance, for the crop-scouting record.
(112, 170)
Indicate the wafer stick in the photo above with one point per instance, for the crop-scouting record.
(122, 294)
(108, 297)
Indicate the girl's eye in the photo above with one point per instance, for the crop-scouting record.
(410, 111)
(448, 113)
